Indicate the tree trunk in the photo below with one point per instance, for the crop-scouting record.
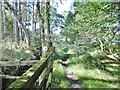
(44, 7)
(16, 31)
(48, 37)
(20, 15)
(28, 29)
(24, 19)
(42, 30)
(41, 25)
(33, 25)
(4, 18)
(0, 41)
(0, 30)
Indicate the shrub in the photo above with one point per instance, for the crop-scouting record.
(90, 61)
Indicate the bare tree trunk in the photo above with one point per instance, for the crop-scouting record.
(16, 31)
(41, 25)
(4, 22)
(20, 15)
(42, 29)
(33, 25)
(28, 30)
(4, 18)
(0, 41)
(24, 19)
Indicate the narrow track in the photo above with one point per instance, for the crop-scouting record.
(74, 81)
(70, 75)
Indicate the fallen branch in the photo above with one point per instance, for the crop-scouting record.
(111, 56)
(114, 57)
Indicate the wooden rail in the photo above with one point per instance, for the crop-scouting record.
(8, 76)
(41, 71)
(18, 63)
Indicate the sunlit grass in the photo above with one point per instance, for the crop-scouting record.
(59, 79)
(95, 73)
(93, 78)
(96, 84)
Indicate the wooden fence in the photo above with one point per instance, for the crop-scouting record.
(38, 76)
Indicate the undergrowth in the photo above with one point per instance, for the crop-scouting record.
(87, 66)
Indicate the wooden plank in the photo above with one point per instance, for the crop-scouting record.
(50, 76)
(45, 72)
(35, 76)
(44, 81)
(17, 63)
(9, 76)
(41, 77)
(43, 84)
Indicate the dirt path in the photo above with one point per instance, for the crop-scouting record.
(70, 76)
(74, 82)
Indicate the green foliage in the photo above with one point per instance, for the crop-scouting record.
(91, 20)
(90, 61)
(65, 49)
(88, 67)
(37, 42)
(21, 56)
(9, 24)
